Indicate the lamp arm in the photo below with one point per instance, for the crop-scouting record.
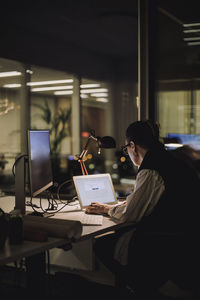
(85, 150)
(105, 142)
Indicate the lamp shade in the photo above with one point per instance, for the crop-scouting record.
(106, 142)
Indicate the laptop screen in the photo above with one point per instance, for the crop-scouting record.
(95, 188)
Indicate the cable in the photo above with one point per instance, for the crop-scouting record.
(59, 187)
(33, 206)
(48, 209)
(52, 203)
(17, 159)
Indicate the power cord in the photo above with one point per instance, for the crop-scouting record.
(53, 205)
(60, 186)
(17, 159)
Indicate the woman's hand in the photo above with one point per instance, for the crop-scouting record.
(97, 208)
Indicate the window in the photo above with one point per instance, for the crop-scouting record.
(177, 78)
(11, 86)
(51, 108)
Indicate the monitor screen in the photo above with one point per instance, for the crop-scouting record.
(192, 140)
(40, 169)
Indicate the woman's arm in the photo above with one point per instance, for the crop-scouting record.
(149, 187)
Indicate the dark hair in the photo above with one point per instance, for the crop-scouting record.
(144, 134)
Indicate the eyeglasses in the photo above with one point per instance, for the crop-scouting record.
(124, 148)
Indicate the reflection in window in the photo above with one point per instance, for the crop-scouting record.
(95, 106)
(177, 75)
(10, 95)
(107, 108)
(173, 112)
(47, 95)
(51, 98)
(178, 110)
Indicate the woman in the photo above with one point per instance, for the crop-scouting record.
(164, 199)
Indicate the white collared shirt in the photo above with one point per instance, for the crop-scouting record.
(148, 189)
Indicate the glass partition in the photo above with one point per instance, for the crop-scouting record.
(11, 86)
(95, 101)
(41, 98)
(51, 108)
(177, 78)
(107, 108)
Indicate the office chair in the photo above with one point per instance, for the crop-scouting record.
(157, 258)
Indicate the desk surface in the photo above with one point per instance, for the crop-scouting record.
(7, 204)
(90, 230)
(13, 252)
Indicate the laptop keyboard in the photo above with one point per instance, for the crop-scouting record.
(90, 219)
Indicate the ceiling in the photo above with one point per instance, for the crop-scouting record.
(96, 39)
(85, 37)
(186, 11)
(101, 29)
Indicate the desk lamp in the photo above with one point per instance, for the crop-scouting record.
(104, 142)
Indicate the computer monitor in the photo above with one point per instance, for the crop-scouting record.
(192, 140)
(40, 169)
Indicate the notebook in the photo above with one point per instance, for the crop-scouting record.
(94, 188)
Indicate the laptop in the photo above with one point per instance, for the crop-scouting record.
(94, 188)
(91, 188)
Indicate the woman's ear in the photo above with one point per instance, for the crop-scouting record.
(132, 145)
(134, 148)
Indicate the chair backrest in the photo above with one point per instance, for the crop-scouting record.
(155, 259)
